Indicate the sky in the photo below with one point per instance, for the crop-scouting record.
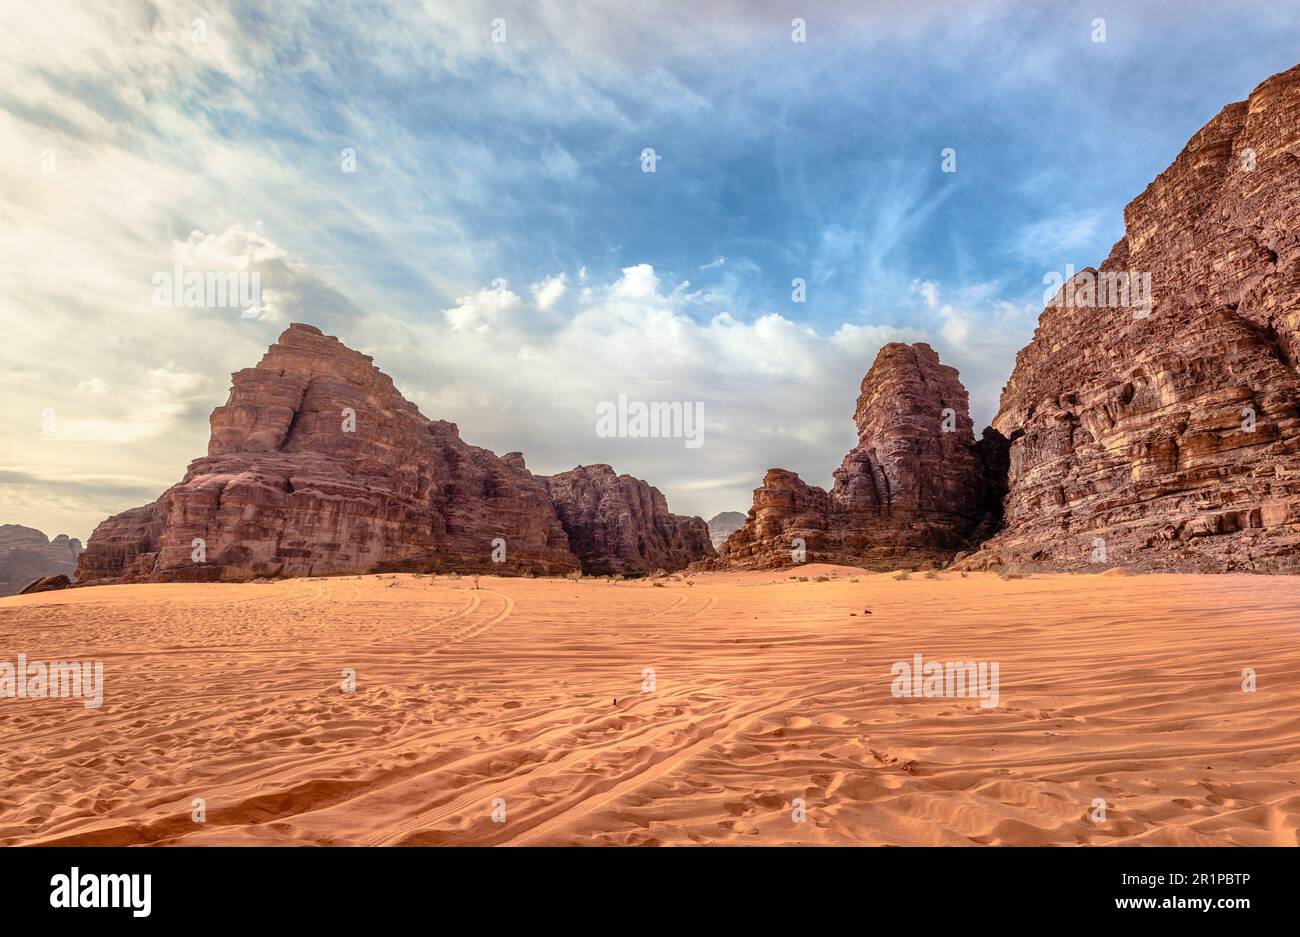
(498, 248)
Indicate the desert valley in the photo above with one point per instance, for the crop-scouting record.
(348, 625)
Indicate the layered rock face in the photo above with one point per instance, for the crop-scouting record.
(723, 525)
(619, 525)
(1171, 441)
(916, 489)
(27, 555)
(317, 465)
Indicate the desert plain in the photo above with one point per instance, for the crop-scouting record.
(517, 711)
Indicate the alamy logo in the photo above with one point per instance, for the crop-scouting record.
(934, 679)
(39, 680)
(75, 890)
(1110, 289)
(211, 290)
(657, 420)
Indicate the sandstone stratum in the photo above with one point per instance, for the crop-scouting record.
(317, 465)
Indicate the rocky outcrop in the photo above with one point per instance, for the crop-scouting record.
(723, 525)
(620, 525)
(1167, 437)
(46, 584)
(916, 489)
(317, 465)
(26, 555)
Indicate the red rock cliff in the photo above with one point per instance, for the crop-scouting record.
(1171, 441)
(917, 487)
(317, 465)
(618, 524)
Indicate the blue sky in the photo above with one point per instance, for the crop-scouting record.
(501, 253)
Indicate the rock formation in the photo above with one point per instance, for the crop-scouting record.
(916, 489)
(46, 584)
(619, 525)
(723, 525)
(26, 555)
(317, 465)
(1168, 437)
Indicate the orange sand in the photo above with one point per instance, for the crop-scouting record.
(1126, 688)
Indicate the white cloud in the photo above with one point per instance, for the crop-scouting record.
(483, 311)
(548, 292)
(638, 282)
(929, 291)
(775, 392)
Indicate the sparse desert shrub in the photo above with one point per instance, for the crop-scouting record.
(902, 574)
(931, 574)
(823, 579)
(575, 575)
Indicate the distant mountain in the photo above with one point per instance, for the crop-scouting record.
(26, 555)
(722, 525)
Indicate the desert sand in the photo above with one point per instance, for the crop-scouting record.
(527, 695)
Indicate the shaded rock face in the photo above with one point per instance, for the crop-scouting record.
(916, 489)
(1172, 441)
(620, 525)
(723, 525)
(26, 555)
(317, 465)
(46, 584)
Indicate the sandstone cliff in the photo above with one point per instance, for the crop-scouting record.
(1168, 438)
(619, 525)
(317, 465)
(27, 555)
(916, 489)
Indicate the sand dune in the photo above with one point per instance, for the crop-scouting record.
(767, 689)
